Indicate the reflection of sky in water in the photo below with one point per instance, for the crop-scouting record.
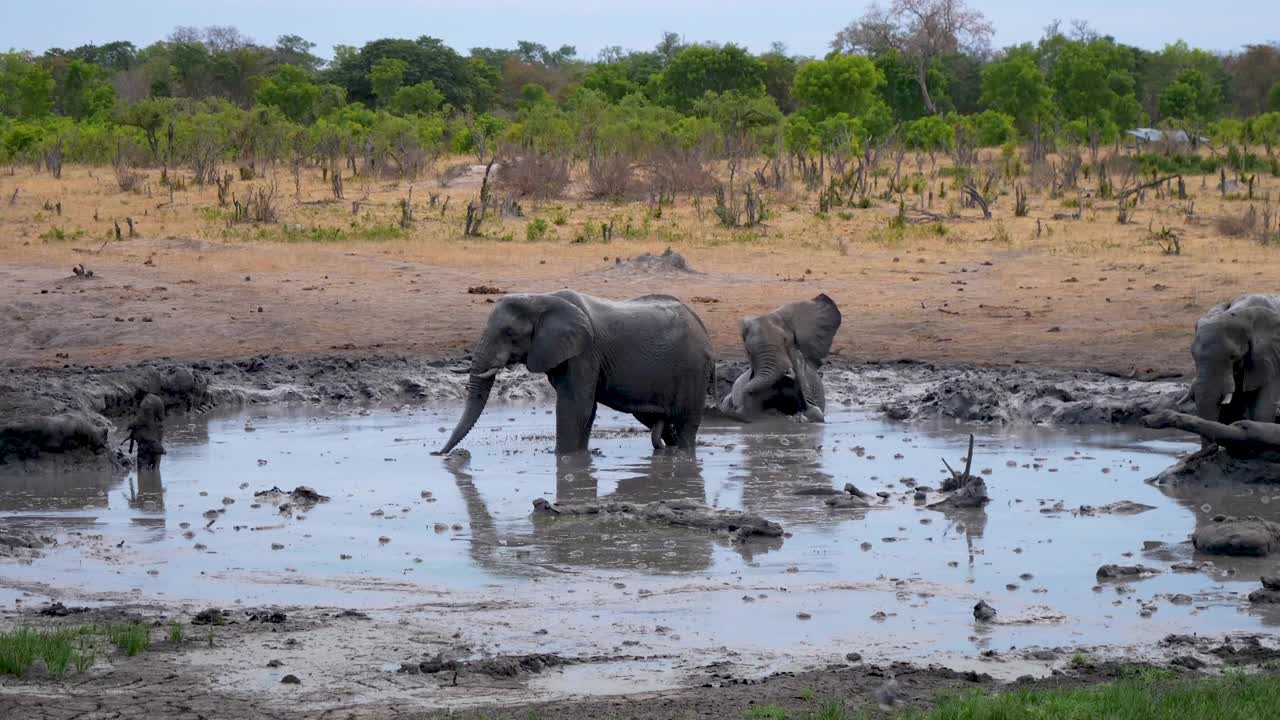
(380, 464)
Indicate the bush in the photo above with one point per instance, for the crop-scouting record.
(677, 171)
(536, 230)
(540, 176)
(610, 177)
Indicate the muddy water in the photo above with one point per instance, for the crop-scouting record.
(452, 543)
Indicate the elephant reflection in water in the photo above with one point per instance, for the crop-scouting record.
(595, 541)
(148, 494)
(782, 458)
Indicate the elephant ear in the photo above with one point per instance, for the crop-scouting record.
(814, 323)
(561, 331)
(1262, 364)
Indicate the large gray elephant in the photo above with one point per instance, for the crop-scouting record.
(649, 357)
(1237, 355)
(786, 348)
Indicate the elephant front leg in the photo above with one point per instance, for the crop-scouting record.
(1263, 405)
(575, 410)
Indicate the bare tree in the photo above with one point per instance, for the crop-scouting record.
(922, 30)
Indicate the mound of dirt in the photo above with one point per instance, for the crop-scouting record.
(23, 545)
(669, 262)
(1010, 396)
(740, 525)
(1215, 465)
(1250, 536)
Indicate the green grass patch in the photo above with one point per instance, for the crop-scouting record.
(56, 234)
(56, 649)
(356, 232)
(131, 638)
(1233, 161)
(1232, 697)
(1146, 694)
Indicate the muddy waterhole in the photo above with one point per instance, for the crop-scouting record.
(406, 532)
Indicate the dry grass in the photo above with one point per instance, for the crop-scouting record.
(894, 274)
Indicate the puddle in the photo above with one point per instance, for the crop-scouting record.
(456, 543)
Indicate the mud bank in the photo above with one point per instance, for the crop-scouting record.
(305, 667)
(72, 413)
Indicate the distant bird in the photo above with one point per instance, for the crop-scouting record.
(886, 695)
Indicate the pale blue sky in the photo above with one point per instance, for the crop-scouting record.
(806, 26)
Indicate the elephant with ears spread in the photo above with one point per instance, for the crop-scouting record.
(649, 357)
(786, 348)
(1237, 355)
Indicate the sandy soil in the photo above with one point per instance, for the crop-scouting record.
(1087, 293)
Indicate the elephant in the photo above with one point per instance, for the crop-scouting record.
(786, 348)
(650, 357)
(1237, 355)
(147, 429)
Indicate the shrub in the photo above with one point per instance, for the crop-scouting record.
(536, 230)
(610, 177)
(534, 175)
(1238, 225)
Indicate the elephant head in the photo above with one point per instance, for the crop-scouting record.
(790, 342)
(540, 331)
(1236, 350)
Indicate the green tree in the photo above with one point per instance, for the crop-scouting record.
(26, 88)
(992, 128)
(1273, 97)
(841, 83)
(1091, 84)
(901, 90)
(1265, 129)
(462, 81)
(610, 80)
(151, 116)
(779, 77)
(84, 92)
(291, 90)
(386, 77)
(700, 69)
(1016, 87)
(931, 135)
(417, 99)
(296, 51)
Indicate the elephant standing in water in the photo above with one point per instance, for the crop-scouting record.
(1237, 355)
(786, 348)
(649, 357)
(147, 429)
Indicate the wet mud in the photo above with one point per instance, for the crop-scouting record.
(79, 415)
(415, 558)
(300, 490)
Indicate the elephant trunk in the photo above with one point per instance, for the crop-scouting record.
(478, 389)
(484, 368)
(1213, 391)
(770, 368)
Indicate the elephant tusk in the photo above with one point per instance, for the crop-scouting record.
(1226, 400)
(486, 374)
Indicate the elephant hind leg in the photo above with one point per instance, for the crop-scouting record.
(657, 425)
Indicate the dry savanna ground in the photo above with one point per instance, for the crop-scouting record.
(192, 283)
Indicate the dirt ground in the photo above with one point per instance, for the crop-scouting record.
(1087, 293)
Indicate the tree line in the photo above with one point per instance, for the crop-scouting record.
(918, 75)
